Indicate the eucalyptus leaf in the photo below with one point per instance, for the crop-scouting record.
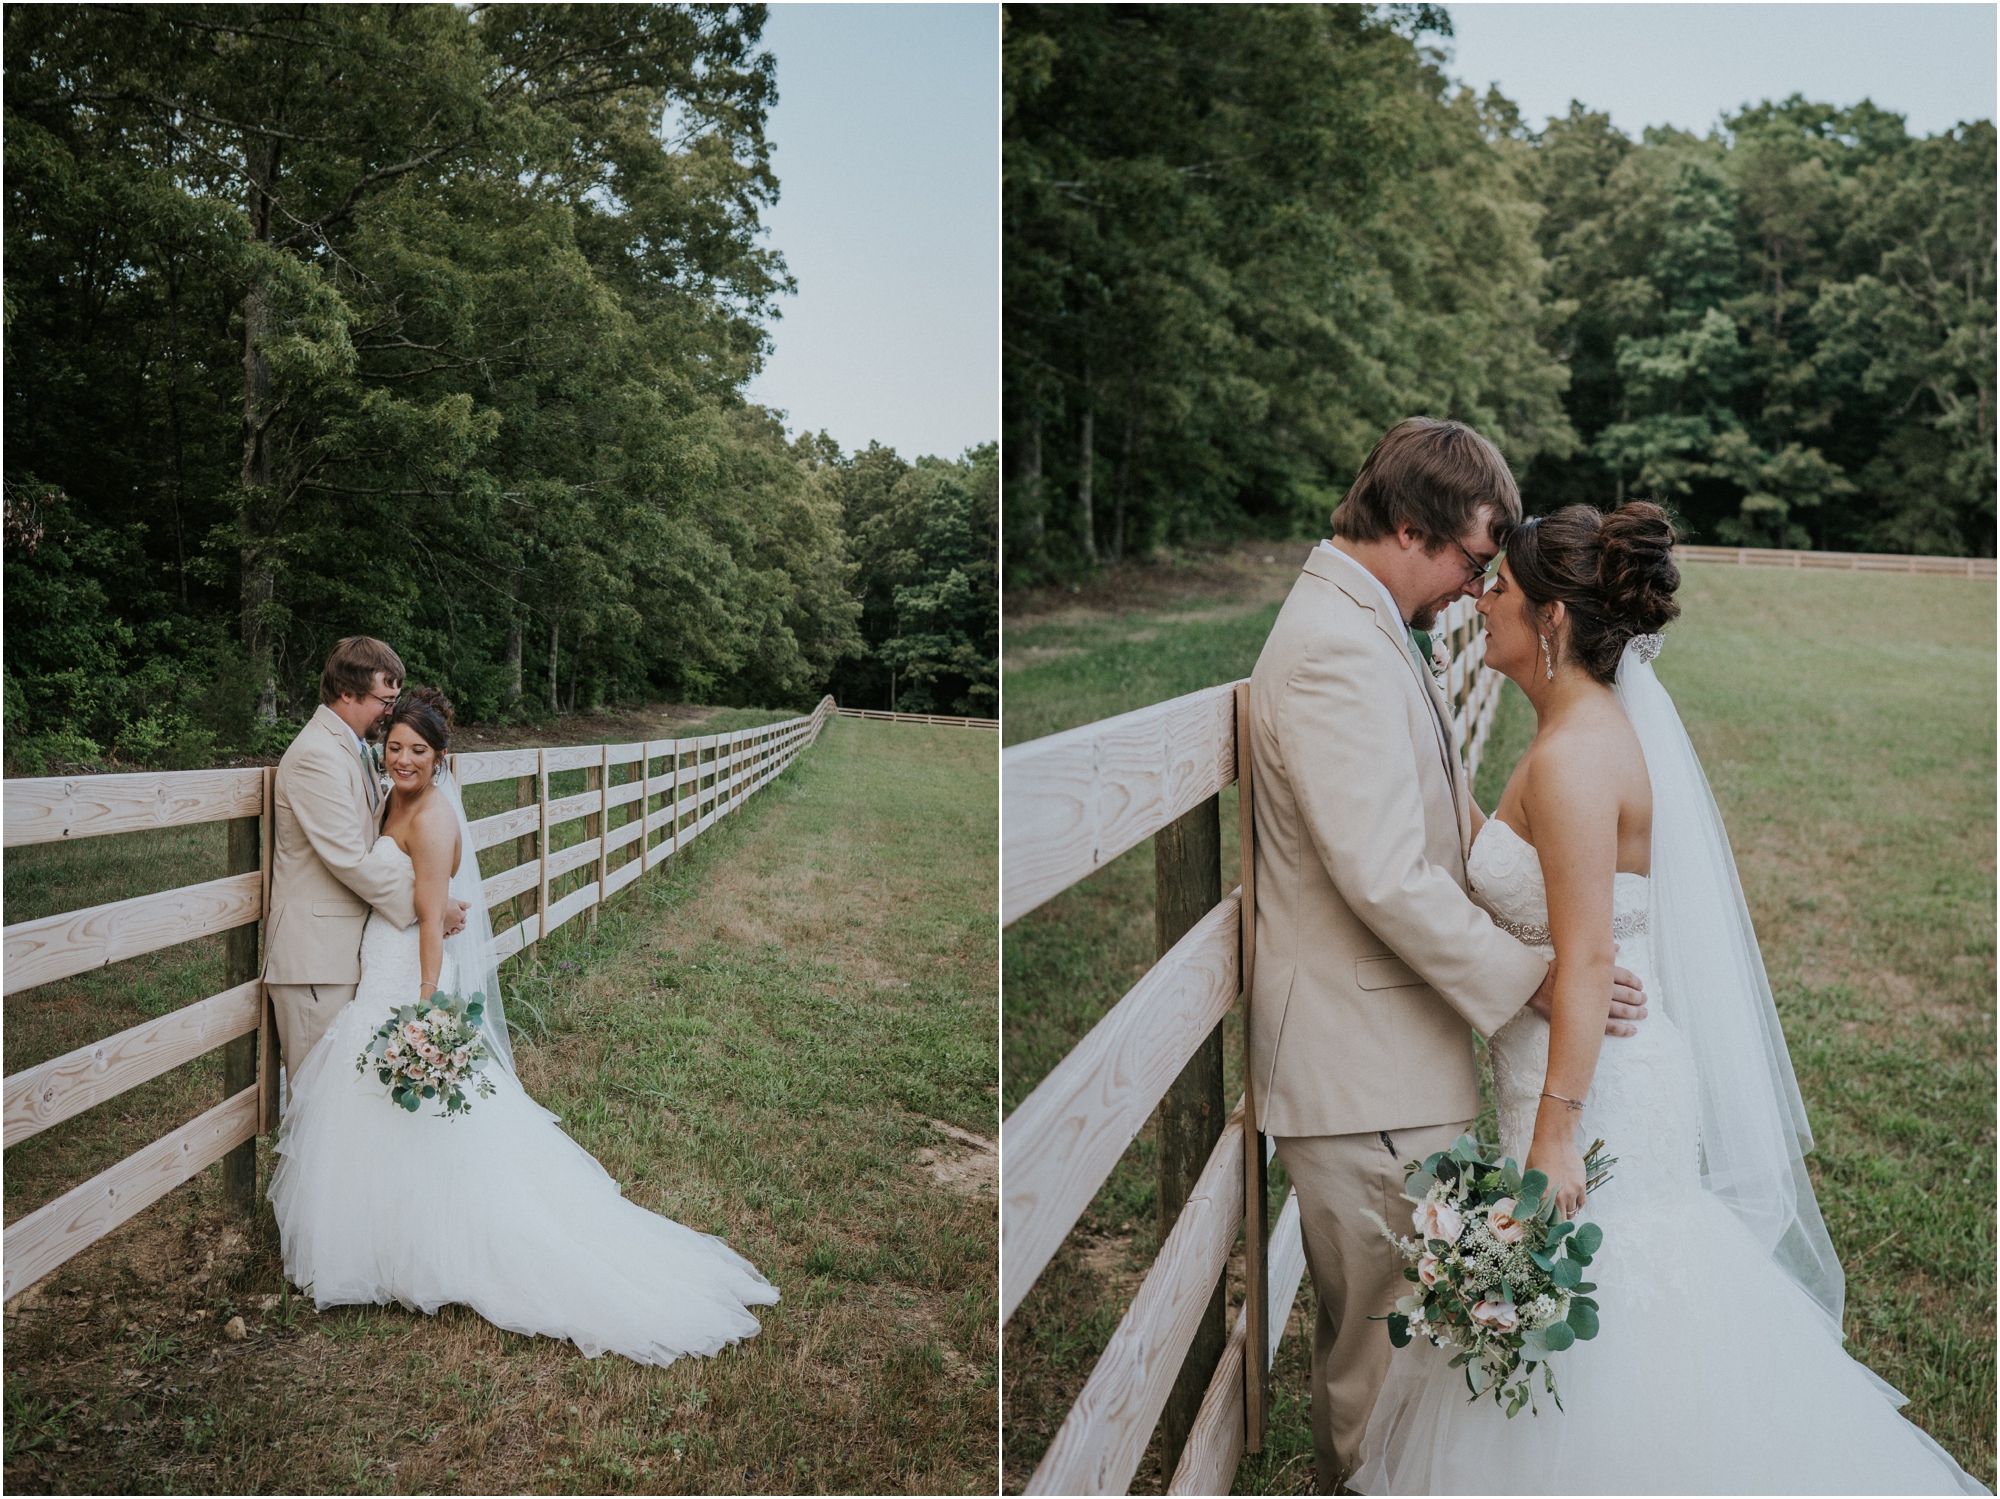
(1566, 1274)
(1582, 1319)
(1558, 1335)
(1589, 1237)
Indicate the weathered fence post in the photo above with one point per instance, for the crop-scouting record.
(1187, 868)
(1256, 1180)
(542, 849)
(239, 1057)
(599, 827)
(524, 850)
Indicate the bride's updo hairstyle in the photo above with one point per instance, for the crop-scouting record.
(428, 711)
(1615, 573)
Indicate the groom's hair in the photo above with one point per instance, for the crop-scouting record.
(352, 667)
(1431, 476)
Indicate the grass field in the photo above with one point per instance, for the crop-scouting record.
(761, 1039)
(1847, 726)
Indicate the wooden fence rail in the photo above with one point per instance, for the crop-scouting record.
(934, 718)
(1071, 803)
(1858, 562)
(699, 781)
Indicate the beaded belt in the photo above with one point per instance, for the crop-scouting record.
(1631, 924)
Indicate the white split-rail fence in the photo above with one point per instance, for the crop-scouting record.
(1854, 562)
(937, 719)
(1071, 803)
(698, 781)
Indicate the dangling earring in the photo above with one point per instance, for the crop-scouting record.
(1547, 657)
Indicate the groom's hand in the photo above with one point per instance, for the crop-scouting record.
(454, 919)
(1628, 1001)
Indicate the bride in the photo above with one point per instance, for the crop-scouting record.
(498, 1210)
(1719, 1367)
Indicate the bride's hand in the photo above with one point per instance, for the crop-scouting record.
(454, 917)
(1555, 1155)
(1628, 1001)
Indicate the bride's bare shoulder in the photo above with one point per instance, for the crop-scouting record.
(1592, 753)
(432, 831)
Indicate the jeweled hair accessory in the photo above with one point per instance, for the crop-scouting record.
(1647, 646)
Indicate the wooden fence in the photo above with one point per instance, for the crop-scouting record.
(1858, 562)
(1071, 803)
(934, 718)
(699, 781)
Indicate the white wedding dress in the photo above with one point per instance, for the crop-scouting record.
(1714, 1372)
(497, 1209)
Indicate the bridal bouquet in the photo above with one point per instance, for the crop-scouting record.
(431, 1049)
(1497, 1276)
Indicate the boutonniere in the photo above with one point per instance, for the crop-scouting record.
(1440, 662)
(382, 781)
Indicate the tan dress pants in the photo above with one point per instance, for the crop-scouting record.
(304, 1013)
(1356, 1272)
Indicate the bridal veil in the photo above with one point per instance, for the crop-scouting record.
(1754, 1135)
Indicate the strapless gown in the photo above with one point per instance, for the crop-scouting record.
(1713, 1373)
(497, 1209)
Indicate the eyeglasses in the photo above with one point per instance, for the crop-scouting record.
(1479, 569)
(390, 702)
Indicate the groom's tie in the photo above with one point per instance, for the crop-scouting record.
(1420, 643)
(368, 777)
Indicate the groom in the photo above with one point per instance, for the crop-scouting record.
(1371, 960)
(327, 808)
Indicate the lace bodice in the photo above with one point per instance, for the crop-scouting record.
(1643, 1099)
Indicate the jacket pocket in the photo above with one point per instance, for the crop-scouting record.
(339, 908)
(1386, 972)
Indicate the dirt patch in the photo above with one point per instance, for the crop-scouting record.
(965, 1164)
(1036, 655)
(1251, 574)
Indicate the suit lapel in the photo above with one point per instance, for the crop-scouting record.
(343, 738)
(1354, 580)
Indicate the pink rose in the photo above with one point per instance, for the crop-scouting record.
(1504, 1225)
(1501, 1316)
(1427, 1269)
(1438, 1220)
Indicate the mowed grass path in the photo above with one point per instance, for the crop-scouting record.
(1847, 727)
(754, 1041)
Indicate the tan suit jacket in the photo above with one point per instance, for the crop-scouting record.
(1371, 959)
(324, 873)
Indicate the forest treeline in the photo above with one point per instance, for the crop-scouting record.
(1241, 241)
(430, 322)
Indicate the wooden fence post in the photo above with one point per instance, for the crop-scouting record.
(1187, 868)
(599, 827)
(524, 848)
(239, 1057)
(542, 849)
(1256, 1180)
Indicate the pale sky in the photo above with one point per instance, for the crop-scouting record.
(887, 137)
(1689, 64)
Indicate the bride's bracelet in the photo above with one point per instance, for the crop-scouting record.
(1575, 1106)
